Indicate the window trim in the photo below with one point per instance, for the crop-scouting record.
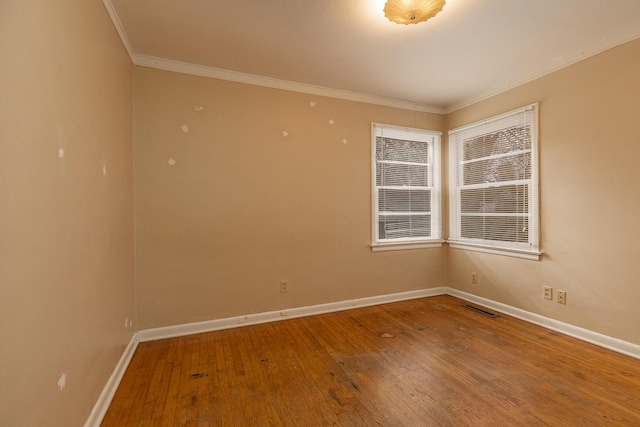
(496, 250)
(400, 246)
(455, 241)
(410, 242)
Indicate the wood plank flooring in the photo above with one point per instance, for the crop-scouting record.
(425, 362)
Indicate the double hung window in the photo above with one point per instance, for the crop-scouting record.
(406, 188)
(493, 184)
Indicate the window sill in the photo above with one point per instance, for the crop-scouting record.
(400, 246)
(516, 253)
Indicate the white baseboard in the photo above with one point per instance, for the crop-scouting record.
(273, 316)
(102, 404)
(596, 338)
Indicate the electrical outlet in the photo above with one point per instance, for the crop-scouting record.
(474, 278)
(284, 286)
(562, 297)
(547, 292)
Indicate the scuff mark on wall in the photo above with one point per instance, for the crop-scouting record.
(62, 382)
(171, 162)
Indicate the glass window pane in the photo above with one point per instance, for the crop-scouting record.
(404, 200)
(501, 229)
(503, 199)
(396, 227)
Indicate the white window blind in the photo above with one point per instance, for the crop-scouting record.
(406, 185)
(494, 182)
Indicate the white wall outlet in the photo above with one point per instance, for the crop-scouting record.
(284, 286)
(474, 278)
(547, 292)
(561, 297)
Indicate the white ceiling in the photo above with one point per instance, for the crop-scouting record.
(470, 50)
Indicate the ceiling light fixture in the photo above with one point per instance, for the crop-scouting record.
(412, 11)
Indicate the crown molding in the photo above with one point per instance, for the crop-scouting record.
(119, 27)
(252, 79)
(234, 76)
(592, 50)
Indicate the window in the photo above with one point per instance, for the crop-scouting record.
(493, 185)
(406, 188)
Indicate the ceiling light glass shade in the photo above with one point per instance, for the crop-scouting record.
(412, 11)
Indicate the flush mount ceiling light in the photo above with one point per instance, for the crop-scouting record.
(412, 11)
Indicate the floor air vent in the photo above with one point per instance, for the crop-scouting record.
(479, 310)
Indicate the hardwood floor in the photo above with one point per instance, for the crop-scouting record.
(423, 362)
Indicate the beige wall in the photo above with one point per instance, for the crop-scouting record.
(66, 230)
(590, 199)
(245, 207)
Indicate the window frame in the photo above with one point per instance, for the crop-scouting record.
(528, 250)
(435, 150)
